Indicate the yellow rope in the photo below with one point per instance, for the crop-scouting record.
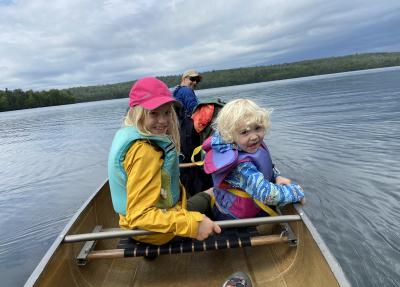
(196, 151)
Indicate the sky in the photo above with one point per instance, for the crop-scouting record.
(47, 44)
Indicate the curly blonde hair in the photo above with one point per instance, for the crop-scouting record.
(237, 113)
(136, 115)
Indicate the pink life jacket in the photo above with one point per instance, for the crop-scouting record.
(219, 164)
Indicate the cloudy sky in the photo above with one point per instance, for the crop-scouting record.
(66, 43)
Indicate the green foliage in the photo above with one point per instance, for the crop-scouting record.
(240, 76)
(104, 92)
(298, 69)
(18, 99)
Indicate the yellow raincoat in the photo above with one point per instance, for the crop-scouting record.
(143, 164)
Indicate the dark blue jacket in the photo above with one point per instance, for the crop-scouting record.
(187, 97)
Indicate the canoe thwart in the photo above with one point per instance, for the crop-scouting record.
(288, 232)
(81, 259)
(237, 238)
(120, 233)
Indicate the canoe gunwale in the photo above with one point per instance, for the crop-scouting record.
(331, 260)
(46, 258)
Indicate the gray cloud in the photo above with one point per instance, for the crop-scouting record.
(66, 43)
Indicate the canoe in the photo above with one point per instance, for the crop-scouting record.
(86, 254)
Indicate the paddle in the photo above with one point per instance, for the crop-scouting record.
(188, 164)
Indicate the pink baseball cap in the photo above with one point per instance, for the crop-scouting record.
(150, 93)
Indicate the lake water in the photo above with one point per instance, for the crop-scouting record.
(337, 135)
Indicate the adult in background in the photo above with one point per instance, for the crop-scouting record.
(185, 91)
(193, 178)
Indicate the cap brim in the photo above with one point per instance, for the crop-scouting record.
(191, 75)
(155, 103)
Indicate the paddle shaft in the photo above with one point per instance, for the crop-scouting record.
(188, 164)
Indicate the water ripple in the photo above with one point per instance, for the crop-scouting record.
(337, 135)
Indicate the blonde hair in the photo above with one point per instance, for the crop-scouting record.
(136, 115)
(237, 113)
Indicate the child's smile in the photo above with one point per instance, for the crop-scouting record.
(158, 120)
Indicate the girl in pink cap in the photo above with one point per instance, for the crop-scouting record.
(143, 170)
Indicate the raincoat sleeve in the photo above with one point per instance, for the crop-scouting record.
(247, 177)
(143, 167)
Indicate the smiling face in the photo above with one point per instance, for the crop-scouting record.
(249, 137)
(158, 120)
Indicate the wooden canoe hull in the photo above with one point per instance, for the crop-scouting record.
(271, 265)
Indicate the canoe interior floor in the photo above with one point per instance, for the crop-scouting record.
(192, 269)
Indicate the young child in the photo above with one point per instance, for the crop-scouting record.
(143, 169)
(245, 180)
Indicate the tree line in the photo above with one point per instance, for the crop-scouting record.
(18, 99)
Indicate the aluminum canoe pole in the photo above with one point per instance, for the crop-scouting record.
(116, 233)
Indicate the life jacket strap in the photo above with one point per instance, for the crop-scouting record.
(196, 151)
(212, 202)
(263, 206)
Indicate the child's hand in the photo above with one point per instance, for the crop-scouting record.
(303, 201)
(209, 191)
(282, 180)
(206, 228)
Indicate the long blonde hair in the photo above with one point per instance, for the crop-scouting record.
(238, 112)
(136, 115)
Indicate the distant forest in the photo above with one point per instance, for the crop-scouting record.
(19, 99)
